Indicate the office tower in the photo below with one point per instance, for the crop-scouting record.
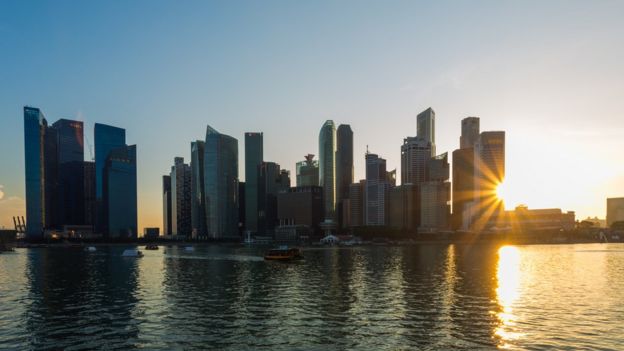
(198, 208)
(89, 192)
(308, 171)
(271, 181)
(180, 197)
(463, 171)
(344, 168)
(167, 225)
(119, 189)
(434, 205)
(489, 163)
(300, 206)
(439, 168)
(254, 155)
(376, 192)
(221, 185)
(615, 210)
(415, 156)
(35, 126)
(463, 185)
(469, 132)
(70, 168)
(107, 139)
(241, 209)
(327, 167)
(425, 128)
(404, 207)
(356, 203)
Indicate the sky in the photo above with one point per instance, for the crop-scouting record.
(550, 74)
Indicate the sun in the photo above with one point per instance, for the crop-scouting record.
(501, 191)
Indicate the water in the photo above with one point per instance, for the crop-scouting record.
(363, 298)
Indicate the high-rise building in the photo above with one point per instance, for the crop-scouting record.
(615, 210)
(301, 206)
(463, 171)
(70, 178)
(356, 203)
(198, 208)
(35, 126)
(254, 155)
(469, 132)
(425, 128)
(376, 192)
(119, 189)
(344, 167)
(489, 173)
(221, 185)
(107, 139)
(327, 168)
(308, 171)
(167, 220)
(415, 157)
(271, 181)
(89, 192)
(404, 207)
(180, 197)
(435, 206)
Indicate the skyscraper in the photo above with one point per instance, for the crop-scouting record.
(180, 197)
(70, 178)
(344, 167)
(254, 156)
(107, 138)
(198, 208)
(327, 167)
(415, 157)
(221, 185)
(271, 181)
(119, 189)
(425, 128)
(469, 132)
(35, 126)
(357, 203)
(167, 228)
(489, 173)
(308, 171)
(376, 192)
(435, 196)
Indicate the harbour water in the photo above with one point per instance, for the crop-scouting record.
(361, 298)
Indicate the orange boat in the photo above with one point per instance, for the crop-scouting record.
(284, 254)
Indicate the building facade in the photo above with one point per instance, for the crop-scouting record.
(308, 171)
(181, 198)
(301, 206)
(35, 127)
(615, 210)
(376, 192)
(327, 168)
(221, 185)
(415, 157)
(167, 208)
(119, 189)
(344, 168)
(425, 128)
(254, 155)
(198, 208)
(404, 207)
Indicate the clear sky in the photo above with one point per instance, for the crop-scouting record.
(549, 73)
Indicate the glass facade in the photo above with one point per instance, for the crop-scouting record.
(120, 193)
(34, 134)
(221, 185)
(70, 158)
(198, 209)
(107, 138)
(253, 158)
(327, 167)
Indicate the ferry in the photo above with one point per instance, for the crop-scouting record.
(284, 253)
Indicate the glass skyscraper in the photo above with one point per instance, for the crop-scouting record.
(107, 139)
(344, 167)
(70, 157)
(119, 186)
(181, 197)
(425, 128)
(253, 158)
(35, 126)
(198, 208)
(221, 185)
(327, 167)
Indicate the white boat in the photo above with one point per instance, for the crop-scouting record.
(90, 249)
(189, 249)
(132, 253)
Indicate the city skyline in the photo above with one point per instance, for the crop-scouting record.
(551, 124)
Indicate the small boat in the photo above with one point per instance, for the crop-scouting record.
(132, 253)
(90, 249)
(189, 249)
(151, 247)
(284, 253)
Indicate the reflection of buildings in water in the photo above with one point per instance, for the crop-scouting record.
(93, 293)
(507, 292)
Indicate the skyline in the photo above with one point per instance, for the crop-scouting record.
(548, 95)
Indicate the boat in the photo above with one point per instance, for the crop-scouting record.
(151, 247)
(284, 253)
(90, 249)
(132, 253)
(189, 249)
